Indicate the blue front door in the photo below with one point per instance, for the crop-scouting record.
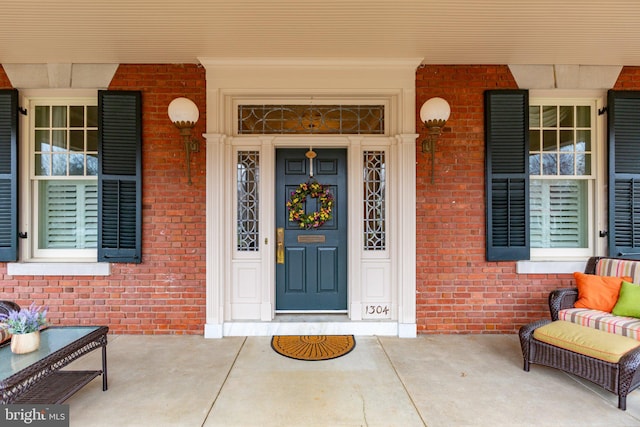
(311, 269)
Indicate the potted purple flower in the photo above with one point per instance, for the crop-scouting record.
(24, 325)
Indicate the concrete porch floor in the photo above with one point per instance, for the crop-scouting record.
(443, 380)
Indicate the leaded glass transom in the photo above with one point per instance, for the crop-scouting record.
(248, 206)
(311, 119)
(374, 201)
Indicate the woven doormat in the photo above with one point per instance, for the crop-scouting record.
(313, 347)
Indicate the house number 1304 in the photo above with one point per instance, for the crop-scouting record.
(376, 310)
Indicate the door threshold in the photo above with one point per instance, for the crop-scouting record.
(311, 317)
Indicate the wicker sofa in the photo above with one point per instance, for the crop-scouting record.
(5, 308)
(620, 376)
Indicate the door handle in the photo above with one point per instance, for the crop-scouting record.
(280, 245)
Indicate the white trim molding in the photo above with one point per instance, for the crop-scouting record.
(241, 287)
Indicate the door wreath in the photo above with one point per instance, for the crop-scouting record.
(315, 190)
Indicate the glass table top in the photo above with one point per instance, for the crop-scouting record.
(51, 340)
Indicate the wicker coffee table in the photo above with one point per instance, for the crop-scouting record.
(36, 377)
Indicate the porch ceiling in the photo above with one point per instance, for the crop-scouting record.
(593, 32)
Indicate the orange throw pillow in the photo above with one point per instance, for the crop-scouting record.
(598, 292)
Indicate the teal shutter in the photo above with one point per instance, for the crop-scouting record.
(120, 176)
(507, 174)
(9, 175)
(624, 173)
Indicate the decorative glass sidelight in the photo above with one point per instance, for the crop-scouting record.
(248, 178)
(311, 119)
(374, 201)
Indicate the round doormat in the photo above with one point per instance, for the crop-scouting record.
(313, 347)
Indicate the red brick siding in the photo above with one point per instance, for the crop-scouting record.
(629, 79)
(457, 290)
(4, 80)
(166, 292)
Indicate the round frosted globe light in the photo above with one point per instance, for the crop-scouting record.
(435, 109)
(183, 110)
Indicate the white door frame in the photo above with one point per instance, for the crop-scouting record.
(232, 81)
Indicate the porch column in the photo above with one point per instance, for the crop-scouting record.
(216, 255)
(406, 249)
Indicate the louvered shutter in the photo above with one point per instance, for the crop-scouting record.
(507, 174)
(120, 176)
(624, 174)
(9, 175)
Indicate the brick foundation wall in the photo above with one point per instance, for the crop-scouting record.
(166, 293)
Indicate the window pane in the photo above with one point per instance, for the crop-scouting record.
(76, 116)
(92, 116)
(566, 116)
(550, 142)
(248, 182)
(59, 114)
(76, 164)
(549, 164)
(534, 164)
(308, 119)
(534, 140)
(42, 167)
(583, 116)
(92, 165)
(534, 116)
(374, 174)
(92, 140)
(583, 164)
(566, 164)
(42, 140)
(42, 116)
(558, 213)
(76, 140)
(59, 140)
(549, 116)
(59, 164)
(566, 140)
(583, 140)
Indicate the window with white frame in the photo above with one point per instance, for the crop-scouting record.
(63, 169)
(562, 150)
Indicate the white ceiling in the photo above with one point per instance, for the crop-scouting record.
(588, 32)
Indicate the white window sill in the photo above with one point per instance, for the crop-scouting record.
(550, 267)
(58, 268)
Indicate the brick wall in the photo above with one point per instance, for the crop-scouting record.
(629, 79)
(457, 290)
(166, 293)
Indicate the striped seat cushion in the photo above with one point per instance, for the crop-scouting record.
(4, 335)
(625, 326)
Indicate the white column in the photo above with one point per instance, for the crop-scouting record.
(354, 266)
(407, 232)
(216, 255)
(267, 231)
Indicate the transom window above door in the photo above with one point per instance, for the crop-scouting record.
(311, 119)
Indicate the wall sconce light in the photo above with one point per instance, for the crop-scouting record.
(184, 113)
(434, 114)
